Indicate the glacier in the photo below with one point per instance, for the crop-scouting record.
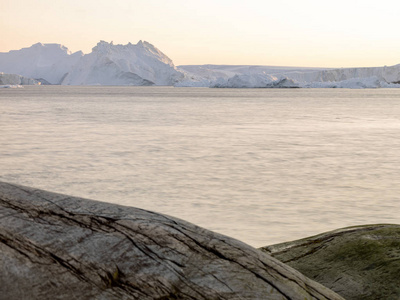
(142, 64)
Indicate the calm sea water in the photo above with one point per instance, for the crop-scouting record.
(260, 165)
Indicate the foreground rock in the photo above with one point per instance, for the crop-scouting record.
(360, 262)
(59, 247)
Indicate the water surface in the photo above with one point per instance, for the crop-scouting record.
(260, 165)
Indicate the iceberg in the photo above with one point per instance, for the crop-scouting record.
(48, 61)
(284, 77)
(107, 64)
(255, 81)
(214, 73)
(9, 80)
(269, 81)
(353, 83)
(142, 64)
(12, 86)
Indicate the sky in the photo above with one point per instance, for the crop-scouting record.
(306, 33)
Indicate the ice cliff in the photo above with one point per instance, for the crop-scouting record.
(383, 74)
(278, 77)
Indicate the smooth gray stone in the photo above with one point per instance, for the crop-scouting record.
(55, 246)
(361, 262)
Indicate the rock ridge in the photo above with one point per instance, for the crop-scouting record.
(63, 247)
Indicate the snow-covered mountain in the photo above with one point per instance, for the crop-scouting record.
(107, 64)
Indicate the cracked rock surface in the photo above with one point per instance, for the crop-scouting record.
(359, 263)
(54, 246)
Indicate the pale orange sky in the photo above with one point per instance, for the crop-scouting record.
(288, 33)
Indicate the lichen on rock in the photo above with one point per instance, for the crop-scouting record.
(359, 263)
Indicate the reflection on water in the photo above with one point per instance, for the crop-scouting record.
(263, 166)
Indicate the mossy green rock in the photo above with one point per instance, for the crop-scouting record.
(361, 262)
